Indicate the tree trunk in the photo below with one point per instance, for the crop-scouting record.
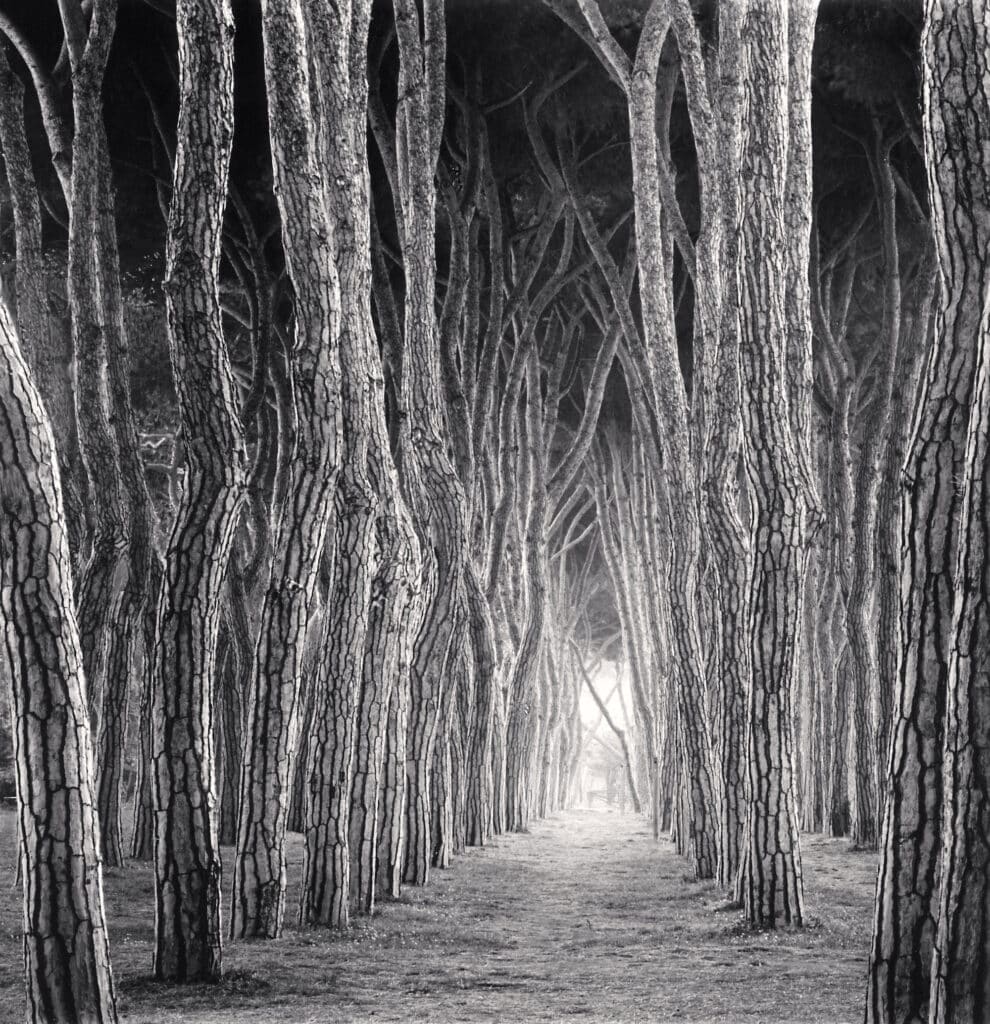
(305, 161)
(101, 585)
(956, 81)
(187, 864)
(771, 878)
(936, 461)
(66, 952)
(431, 486)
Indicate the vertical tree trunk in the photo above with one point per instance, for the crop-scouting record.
(66, 953)
(955, 80)
(771, 881)
(127, 629)
(304, 167)
(143, 830)
(376, 823)
(433, 491)
(100, 597)
(187, 864)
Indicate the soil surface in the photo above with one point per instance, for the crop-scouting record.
(586, 918)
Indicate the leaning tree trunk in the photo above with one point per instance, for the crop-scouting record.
(187, 863)
(304, 171)
(45, 346)
(771, 875)
(955, 90)
(66, 952)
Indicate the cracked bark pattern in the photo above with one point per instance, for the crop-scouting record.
(299, 74)
(187, 862)
(955, 79)
(66, 952)
(430, 483)
(47, 350)
(100, 594)
(955, 92)
(126, 632)
(771, 874)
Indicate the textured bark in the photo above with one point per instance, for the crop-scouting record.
(837, 608)
(127, 629)
(955, 82)
(960, 982)
(861, 608)
(478, 796)
(302, 68)
(434, 493)
(100, 596)
(394, 618)
(143, 830)
(45, 346)
(771, 875)
(187, 864)
(522, 690)
(392, 795)
(66, 953)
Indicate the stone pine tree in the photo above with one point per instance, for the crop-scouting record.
(960, 979)
(298, 67)
(340, 47)
(944, 664)
(66, 952)
(431, 486)
(771, 874)
(187, 862)
(936, 464)
(100, 593)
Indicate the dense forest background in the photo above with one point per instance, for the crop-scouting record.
(419, 418)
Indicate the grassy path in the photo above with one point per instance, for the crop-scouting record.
(584, 919)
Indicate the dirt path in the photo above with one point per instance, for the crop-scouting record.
(586, 918)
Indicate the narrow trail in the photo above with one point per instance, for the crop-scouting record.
(585, 918)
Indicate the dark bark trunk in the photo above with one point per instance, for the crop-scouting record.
(187, 863)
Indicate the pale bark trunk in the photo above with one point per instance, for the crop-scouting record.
(66, 952)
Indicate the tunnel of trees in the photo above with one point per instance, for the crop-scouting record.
(374, 373)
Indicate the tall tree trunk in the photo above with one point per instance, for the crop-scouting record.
(143, 830)
(771, 881)
(433, 491)
(101, 586)
(376, 823)
(127, 629)
(305, 164)
(187, 863)
(955, 79)
(66, 952)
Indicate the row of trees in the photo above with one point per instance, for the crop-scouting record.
(445, 435)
